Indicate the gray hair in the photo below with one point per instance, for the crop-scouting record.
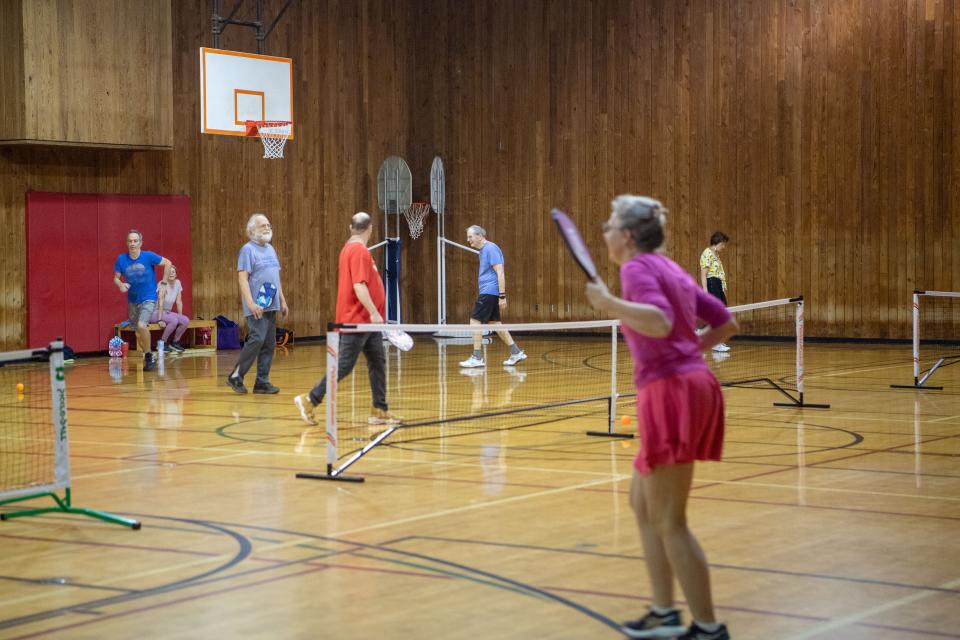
(252, 225)
(136, 231)
(360, 221)
(643, 217)
(477, 230)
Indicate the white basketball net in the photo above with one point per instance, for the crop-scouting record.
(273, 135)
(415, 214)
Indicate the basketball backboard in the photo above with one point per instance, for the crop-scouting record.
(394, 186)
(237, 86)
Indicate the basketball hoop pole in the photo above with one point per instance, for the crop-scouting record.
(220, 23)
(442, 243)
(391, 282)
(394, 191)
(438, 196)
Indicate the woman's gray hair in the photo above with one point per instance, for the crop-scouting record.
(252, 225)
(477, 230)
(644, 218)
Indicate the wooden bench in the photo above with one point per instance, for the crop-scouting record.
(129, 335)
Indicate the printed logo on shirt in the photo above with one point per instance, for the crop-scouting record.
(135, 272)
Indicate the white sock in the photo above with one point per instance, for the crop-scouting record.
(662, 611)
(709, 627)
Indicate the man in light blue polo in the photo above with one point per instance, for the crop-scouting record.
(493, 297)
(134, 273)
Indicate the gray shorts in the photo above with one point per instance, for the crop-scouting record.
(138, 313)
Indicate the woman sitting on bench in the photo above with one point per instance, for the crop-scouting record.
(169, 293)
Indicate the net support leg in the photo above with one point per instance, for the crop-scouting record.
(917, 379)
(798, 335)
(331, 474)
(918, 382)
(333, 364)
(64, 506)
(337, 474)
(612, 401)
(916, 337)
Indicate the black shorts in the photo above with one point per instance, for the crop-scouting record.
(487, 308)
(715, 288)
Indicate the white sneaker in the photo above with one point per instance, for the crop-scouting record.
(473, 361)
(515, 358)
(306, 408)
(722, 348)
(719, 356)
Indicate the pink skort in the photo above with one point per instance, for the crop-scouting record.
(680, 419)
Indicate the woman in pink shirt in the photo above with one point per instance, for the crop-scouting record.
(679, 408)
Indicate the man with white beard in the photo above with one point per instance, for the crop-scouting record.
(258, 270)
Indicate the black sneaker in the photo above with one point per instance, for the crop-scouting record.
(176, 346)
(696, 633)
(149, 362)
(236, 383)
(265, 387)
(654, 625)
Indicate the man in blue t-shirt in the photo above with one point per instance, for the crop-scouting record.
(258, 273)
(492, 298)
(135, 274)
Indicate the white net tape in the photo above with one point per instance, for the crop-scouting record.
(274, 136)
(415, 214)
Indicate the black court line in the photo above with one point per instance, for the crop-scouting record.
(65, 583)
(713, 565)
(243, 551)
(210, 576)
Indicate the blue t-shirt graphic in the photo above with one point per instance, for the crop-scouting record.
(490, 255)
(140, 274)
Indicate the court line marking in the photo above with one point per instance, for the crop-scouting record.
(606, 475)
(153, 465)
(470, 507)
(851, 371)
(793, 487)
(296, 541)
(943, 419)
(857, 617)
(257, 452)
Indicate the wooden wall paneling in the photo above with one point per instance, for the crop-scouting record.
(98, 73)
(951, 221)
(871, 232)
(11, 70)
(819, 135)
(883, 217)
(27, 168)
(348, 95)
(909, 135)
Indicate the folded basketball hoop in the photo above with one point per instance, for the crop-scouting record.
(273, 134)
(415, 215)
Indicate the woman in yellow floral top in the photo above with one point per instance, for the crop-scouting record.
(712, 277)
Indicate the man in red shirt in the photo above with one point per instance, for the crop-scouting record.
(360, 300)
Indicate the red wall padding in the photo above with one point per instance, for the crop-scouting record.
(73, 241)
